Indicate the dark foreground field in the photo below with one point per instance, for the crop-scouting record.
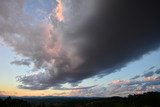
(150, 99)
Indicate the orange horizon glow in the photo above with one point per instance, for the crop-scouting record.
(22, 92)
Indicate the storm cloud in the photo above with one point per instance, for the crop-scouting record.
(98, 41)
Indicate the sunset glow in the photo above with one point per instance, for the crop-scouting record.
(59, 11)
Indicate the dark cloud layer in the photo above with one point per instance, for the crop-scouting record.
(117, 32)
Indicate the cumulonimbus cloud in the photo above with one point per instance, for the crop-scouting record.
(94, 38)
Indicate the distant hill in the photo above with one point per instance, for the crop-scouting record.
(150, 99)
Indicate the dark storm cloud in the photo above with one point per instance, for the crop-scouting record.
(117, 33)
(113, 34)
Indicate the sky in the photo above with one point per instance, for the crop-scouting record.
(89, 48)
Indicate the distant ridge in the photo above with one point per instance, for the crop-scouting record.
(149, 99)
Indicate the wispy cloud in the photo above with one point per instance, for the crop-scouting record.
(26, 62)
(124, 87)
(148, 74)
(157, 71)
(2, 93)
(135, 77)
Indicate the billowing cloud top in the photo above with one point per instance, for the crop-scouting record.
(79, 39)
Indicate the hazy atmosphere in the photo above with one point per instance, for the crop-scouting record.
(87, 48)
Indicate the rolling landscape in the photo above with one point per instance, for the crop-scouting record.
(150, 99)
